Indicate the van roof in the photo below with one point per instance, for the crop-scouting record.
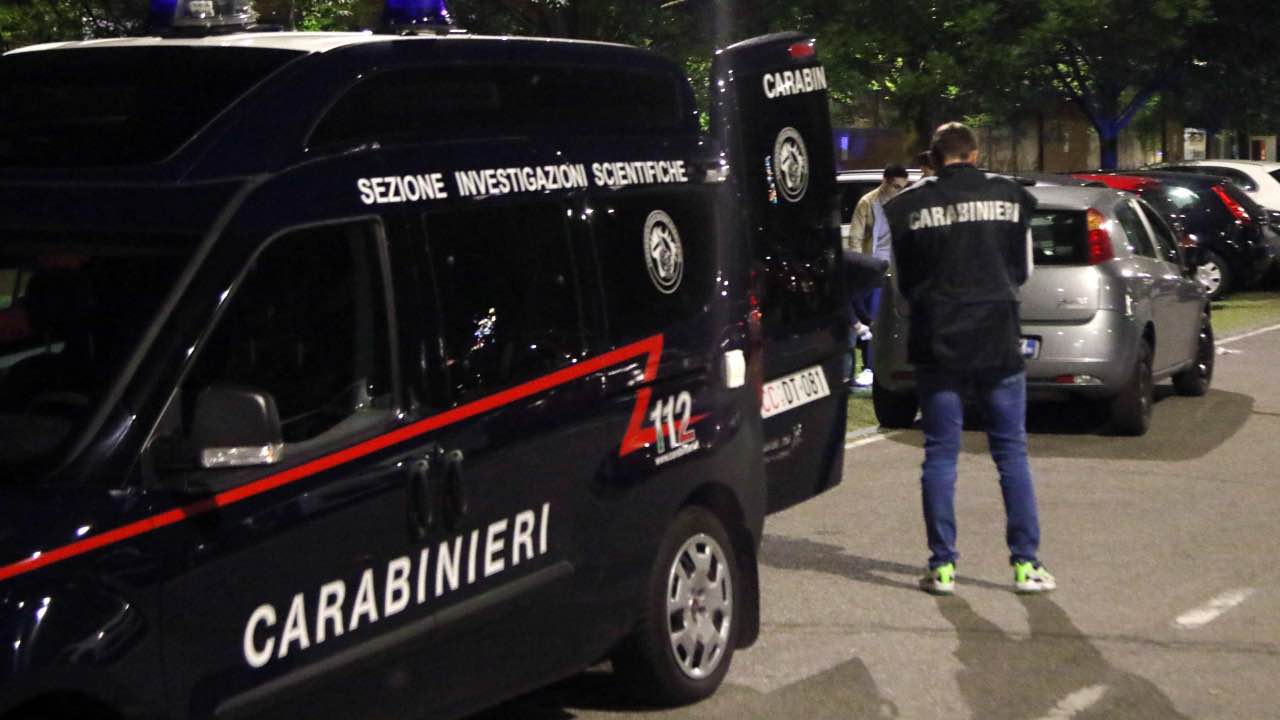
(305, 42)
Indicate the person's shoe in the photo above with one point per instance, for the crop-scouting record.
(940, 580)
(864, 378)
(1031, 577)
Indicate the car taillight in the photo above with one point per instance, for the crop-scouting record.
(801, 50)
(1236, 208)
(1099, 239)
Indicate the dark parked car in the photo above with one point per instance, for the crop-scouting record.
(1235, 243)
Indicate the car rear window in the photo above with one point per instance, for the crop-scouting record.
(119, 106)
(1058, 237)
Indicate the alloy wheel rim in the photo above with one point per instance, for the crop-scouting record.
(699, 606)
(1210, 275)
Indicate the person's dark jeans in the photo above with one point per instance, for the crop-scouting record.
(864, 305)
(1003, 397)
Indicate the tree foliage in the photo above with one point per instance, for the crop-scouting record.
(901, 63)
(1109, 57)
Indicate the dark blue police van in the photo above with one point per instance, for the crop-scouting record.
(394, 375)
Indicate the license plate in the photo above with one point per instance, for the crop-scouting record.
(200, 8)
(1030, 348)
(792, 391)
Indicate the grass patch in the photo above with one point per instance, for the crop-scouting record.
(861, 414)
(1245, 311)
(1238, 313)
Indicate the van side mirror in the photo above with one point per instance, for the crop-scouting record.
(236, 427)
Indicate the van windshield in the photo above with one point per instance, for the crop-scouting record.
(119, 106)
(72, 309)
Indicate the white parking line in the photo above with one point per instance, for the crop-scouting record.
(1247, 335)
(1213, 609)
(866, 436)
(1076, 703)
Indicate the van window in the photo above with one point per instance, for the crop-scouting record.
(508, 295)
(119, 106)
(635, 305)
(307, 326)
(74, 308)
(9, 279)
(428, 103)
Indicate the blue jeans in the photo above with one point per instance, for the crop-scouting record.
(864, 307)
(1003, 395)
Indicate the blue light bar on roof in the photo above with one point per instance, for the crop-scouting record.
(212, 15)
(416, 14)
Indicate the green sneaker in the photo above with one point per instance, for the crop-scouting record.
(1029, 577)
(940, 580)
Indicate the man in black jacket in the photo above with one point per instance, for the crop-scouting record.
(961, 246)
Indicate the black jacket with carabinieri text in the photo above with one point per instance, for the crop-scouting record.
(961, 249)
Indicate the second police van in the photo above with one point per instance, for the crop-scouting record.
(360, 375)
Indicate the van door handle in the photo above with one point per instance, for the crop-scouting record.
(455, 484)
(421, 504)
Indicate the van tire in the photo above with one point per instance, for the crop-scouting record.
(1195, 380)
(1131, 409)
(893, 409)
(696, 560)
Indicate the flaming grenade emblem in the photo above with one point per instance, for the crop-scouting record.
(791, 158)
(663, 252)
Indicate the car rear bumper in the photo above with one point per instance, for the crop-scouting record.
(1092, 359)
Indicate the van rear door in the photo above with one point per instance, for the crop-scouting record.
(770, 113)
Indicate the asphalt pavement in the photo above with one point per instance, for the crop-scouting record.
(1164, 547)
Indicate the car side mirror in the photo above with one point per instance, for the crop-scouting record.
(236, 427)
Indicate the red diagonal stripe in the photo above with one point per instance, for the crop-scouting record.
(652, 347)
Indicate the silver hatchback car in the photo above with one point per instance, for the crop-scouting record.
(1112, 307)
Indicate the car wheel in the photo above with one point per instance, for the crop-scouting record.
(1131, 409)
(893, 409)
(1215, 275)
(681, 649)
(1195, 380)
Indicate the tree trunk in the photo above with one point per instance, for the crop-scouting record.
(1109, 140)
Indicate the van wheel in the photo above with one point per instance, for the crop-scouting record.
(1131, 409)
(1214, 275)
(681, 649)
(893, 409)
(1194, 381)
